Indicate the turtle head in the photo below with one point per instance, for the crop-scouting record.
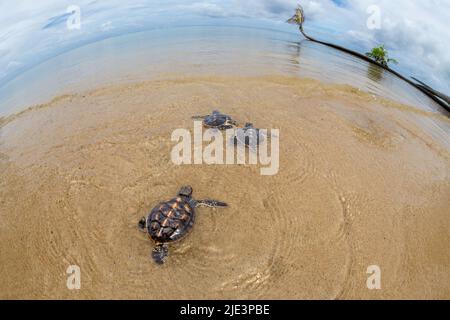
(229, 123)
(185, 191)
(142, 224)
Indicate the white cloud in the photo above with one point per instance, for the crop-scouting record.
(415, 32)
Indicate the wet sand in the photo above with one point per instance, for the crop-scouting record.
(361, 182)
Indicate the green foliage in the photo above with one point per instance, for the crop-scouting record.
(380, 55)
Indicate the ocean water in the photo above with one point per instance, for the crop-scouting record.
(195, 50)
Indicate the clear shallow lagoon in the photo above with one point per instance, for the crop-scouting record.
(195, 50)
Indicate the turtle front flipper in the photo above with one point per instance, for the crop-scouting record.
(210, 203)
(160, 253)
(225, 127)
(199, 117)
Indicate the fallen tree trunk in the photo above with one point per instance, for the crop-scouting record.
(436, 93)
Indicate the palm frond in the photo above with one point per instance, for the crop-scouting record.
(298, 18)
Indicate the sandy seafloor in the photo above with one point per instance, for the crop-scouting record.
(361, 182)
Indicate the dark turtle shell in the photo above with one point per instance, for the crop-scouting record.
(248, 136)
(171, 220)
(216, 119)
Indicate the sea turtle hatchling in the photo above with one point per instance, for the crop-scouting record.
(172, 220)
(217, 120)
(249, 136)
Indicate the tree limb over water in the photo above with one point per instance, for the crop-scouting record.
(299, 19)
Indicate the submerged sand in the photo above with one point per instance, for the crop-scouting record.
(361, 182)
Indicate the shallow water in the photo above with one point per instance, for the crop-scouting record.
(361, 182)
(200, 50)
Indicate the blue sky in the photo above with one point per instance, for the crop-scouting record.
(416, 32)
